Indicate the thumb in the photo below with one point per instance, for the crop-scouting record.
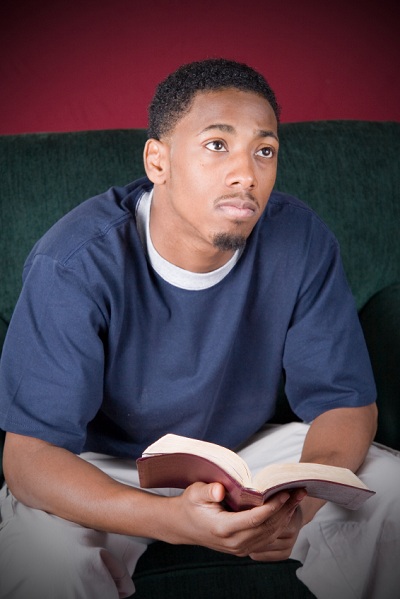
(206, 492)
(214, 492)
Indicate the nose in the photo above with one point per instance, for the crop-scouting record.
(241, 172)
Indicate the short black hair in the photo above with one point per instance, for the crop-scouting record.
(174, 95)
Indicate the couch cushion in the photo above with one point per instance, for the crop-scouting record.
(182, 571)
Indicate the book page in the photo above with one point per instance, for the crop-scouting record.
(276, 474)
(227, 459)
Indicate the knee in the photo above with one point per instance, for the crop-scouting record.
(382, 475)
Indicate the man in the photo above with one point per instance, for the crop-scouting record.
(173, 305)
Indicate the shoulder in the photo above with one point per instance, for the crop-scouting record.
(286, 205)
(97, 218)
(293, 220)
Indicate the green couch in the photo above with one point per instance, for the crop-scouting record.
(348, 171)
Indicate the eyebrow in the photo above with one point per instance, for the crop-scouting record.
(230, 129)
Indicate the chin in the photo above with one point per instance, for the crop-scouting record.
(229, 241)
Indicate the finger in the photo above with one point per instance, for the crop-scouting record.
(264, 522)
(272, 556)
(207, 493)
(277, 533)
(244, 523)
(268, 512)
(293, 503)
(216, 492)
(280, 510)
(296, 497)
(280, 548)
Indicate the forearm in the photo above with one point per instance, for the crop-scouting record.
(54, 480)
(339, 437)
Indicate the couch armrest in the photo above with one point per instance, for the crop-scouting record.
(2, 437)
(3, 331)
(380, 319)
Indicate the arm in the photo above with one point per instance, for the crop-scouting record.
(327, 364)
(52, 479)
(339, 437)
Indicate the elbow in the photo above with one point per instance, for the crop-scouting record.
(373, 409)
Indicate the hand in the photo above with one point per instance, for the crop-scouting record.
(282, 547)
(265, 533)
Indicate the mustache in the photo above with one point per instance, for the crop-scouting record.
(244, 196)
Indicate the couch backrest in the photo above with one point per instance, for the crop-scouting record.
(347, 170)
(43, 176)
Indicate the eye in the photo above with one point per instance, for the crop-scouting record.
(216, 146)
(266, 152)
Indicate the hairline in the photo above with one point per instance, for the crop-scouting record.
(211, 90)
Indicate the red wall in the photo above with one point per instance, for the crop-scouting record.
(94, 64)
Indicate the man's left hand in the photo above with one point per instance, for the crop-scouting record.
(282, 547)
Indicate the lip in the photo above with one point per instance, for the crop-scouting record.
(237, 208)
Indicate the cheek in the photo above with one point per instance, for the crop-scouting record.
(188, 191)
(267, 180)
(197, 182)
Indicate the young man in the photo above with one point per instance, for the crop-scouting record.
(173, 305)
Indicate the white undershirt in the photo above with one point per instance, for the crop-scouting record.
(192, 281)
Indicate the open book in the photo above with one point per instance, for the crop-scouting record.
(175, 461)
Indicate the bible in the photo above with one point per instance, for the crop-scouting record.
(176, 461)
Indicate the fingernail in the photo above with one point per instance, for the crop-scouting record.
(300, 495)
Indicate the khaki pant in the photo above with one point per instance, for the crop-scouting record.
(345, 554)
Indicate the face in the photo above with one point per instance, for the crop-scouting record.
(213, 175)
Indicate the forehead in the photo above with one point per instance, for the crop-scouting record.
(237, 108)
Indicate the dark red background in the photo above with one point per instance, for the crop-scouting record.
(94, 64)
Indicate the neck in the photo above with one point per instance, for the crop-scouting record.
(189, 252)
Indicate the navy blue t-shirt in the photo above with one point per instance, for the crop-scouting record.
(102, 354)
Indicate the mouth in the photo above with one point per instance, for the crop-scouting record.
(238, 206)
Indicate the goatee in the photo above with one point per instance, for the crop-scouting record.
(229, 242)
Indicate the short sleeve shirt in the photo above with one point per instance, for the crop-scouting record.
(103, 354)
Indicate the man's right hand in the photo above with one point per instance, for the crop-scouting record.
(197, 517)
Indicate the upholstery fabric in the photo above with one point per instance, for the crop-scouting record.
(380, 320)
(348, 171)
(45, 176)
(199, 572)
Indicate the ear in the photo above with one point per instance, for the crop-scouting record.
(155, 157)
